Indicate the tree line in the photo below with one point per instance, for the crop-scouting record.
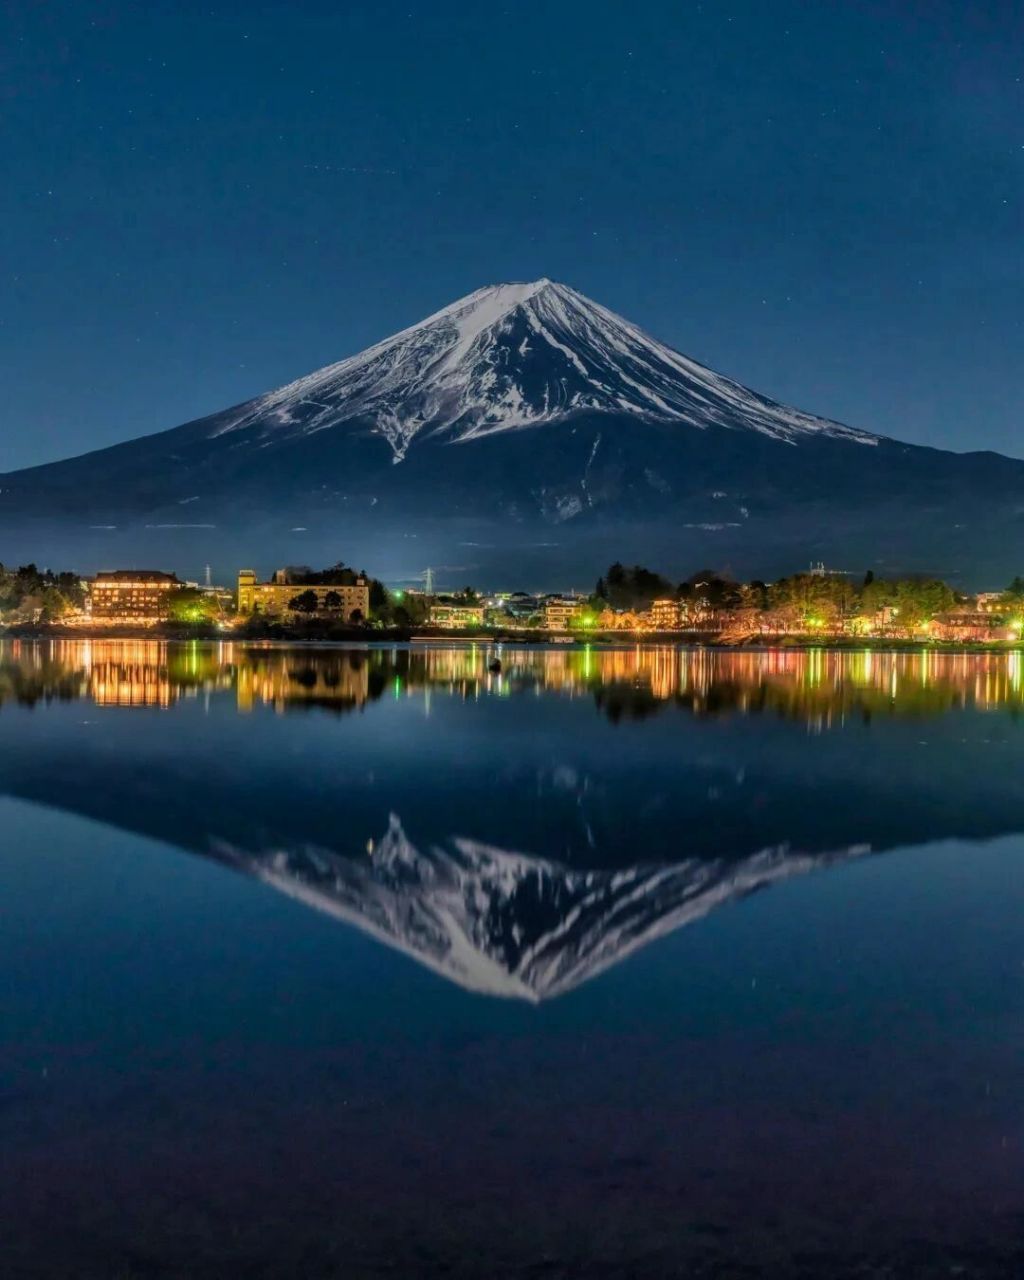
(806, 600)
(28, 593)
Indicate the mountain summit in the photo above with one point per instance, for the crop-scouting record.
(520, 355)
(529, 435)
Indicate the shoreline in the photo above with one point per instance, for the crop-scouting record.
(292, 636)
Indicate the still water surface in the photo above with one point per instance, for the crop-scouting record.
(376, 962)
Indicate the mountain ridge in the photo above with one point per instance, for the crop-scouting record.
(543, 432)
(459, 366)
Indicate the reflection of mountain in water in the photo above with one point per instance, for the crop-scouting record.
(765, 766)
(507, 924)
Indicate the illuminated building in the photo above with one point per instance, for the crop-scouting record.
(560, 614)
(350, 599)
(456, 615)
(664, 615)
(979, 627)
(132, 595)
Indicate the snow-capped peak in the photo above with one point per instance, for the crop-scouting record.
(519, 355)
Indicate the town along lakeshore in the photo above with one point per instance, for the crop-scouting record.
(626, 605)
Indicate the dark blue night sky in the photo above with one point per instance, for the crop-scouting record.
(200, 202)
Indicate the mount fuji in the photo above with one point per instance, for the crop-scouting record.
(522, 428)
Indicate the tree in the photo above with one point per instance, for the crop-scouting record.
(304, 602)
(188, 604)
(332, 601)
(1012, 599)
(70, 587)
(753, 595)
(633, 588)
(29, 593)
(709, 589)
(921, 600)
(811, 601)
(876, 595)
(338, 575)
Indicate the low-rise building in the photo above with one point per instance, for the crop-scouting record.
(968, 626)
(346, 594)
(455, 615)
(522, 606)
(560, 613)
(883, 622)
(664, 615)
(132, 595)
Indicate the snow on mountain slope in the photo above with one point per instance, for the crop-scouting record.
(518, 355)
(510, 924)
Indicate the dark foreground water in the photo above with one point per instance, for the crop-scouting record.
(375, 963)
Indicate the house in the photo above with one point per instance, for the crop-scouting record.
(454, 615)
(560, 613)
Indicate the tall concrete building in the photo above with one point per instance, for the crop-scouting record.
(132, 595)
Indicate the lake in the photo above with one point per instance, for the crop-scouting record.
(636, 961)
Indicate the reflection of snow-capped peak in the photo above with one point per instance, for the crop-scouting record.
(515, 355)
(504, 923)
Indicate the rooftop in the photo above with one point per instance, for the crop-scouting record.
(135, 575)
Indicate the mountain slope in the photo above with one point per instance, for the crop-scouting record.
(545, 433)
(518, 355)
